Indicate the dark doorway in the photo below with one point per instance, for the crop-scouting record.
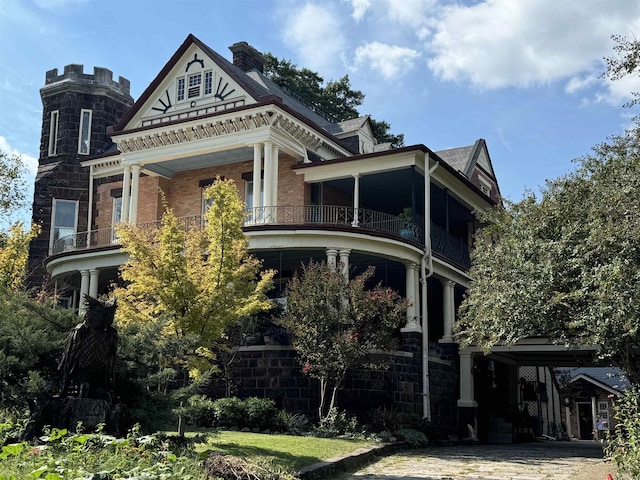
(585, 421)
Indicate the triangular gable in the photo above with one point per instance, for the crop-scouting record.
(195, 81)
(482, 158)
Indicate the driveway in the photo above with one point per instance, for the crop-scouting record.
(575, 460)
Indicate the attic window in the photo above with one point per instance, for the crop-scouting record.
(195, 82)
(485, 188)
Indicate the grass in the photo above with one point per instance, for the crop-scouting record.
(288, 452)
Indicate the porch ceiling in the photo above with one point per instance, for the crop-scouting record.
(171, 167)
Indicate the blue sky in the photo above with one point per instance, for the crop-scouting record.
(522, 74)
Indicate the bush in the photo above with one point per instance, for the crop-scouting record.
(413, 438)
(338, 422)
(624, 441)
(199, 411)
(294, 424)
(229, 413)
(261, 413)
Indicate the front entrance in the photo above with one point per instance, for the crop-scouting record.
(585, 421)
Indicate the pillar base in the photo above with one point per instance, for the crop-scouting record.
(411, 328)
(447, 340)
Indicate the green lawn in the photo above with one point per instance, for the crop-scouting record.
(286, 451)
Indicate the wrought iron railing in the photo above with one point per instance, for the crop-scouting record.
(349, 217)
(453, 248)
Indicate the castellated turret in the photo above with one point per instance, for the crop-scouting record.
(77, 109)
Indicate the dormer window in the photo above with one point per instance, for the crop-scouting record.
(195, 82)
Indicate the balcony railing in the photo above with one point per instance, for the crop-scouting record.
(452, 248)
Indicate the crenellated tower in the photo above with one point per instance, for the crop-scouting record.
(77, 109)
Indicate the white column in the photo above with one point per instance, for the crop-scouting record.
(90, 209)
(356, 199)
(416, 294)
(126, 188)
(449, 310)
(93, 282)
(84, 290)
(567, 420)
(594, 416)
(411, 281)
(344, 263)
(274, 193)
(257, 176)
(466, 381)
(331, 258)
(268, 174)
(135, 186)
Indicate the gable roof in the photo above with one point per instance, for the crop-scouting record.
(611, 380)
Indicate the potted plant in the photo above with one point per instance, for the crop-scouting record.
(406, 223)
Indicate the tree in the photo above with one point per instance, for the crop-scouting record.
(336, 98)
(336, 323)
(625, 62)
(14, 252)
(12, 184)
(566, 265)
(197, 280)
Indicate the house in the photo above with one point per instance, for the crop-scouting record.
(314, 188)
(589, 393)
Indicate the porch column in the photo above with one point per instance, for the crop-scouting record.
(94, 274)
(84, 290)
(257, 175)
(449, 310)
(567, 419)
(356, 199)
(344, 263)
(90, 209)
(331, 258)
(594, 416)
(466, 381)
(135, 186)
(274, 193)
(268, 174)
(126, 188)
(411, 281)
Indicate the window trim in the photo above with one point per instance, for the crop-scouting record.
(53, 133)
(88, 139)
(53, 219)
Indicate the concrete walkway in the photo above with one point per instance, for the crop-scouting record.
(529, 461)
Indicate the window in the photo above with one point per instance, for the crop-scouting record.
(53, 133)
(208, 83)
(485, 188)
(603, 411)
(64, 220)
(116, 216)
(180, 93)
(84, 139)
(248, 194)
(194, 85)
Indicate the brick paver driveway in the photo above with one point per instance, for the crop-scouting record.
(530, 461)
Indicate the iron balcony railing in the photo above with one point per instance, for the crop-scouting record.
(354, 218)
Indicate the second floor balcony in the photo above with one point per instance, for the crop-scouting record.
(355, 220)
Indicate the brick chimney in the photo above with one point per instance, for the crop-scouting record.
(246, 57)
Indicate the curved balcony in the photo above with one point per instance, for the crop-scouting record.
(449, 247)
(312, 215)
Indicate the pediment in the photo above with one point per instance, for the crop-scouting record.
(196, 81)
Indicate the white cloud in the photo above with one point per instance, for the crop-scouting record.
(416, 14)
(390, 61)
(359, 7)
(502, 43)
(58, 4)
(581, 82)
(31, 163)
(314, 32)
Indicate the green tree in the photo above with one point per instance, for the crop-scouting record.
(12, 185)
(32, 336)
(624, 62)
(565, 265)
(197, 280)
(336, 324)
(337, 98)
(14, 252)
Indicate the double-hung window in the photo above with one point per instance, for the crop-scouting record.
(53, 133)
(84, 138)
(64, 221)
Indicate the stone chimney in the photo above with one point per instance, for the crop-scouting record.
(246, 57)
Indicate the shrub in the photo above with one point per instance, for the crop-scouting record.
(293, 424)
(261, 413)
(413, 438)
(229, 413)
(199, 411)
(338, 422)
(624, 441)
